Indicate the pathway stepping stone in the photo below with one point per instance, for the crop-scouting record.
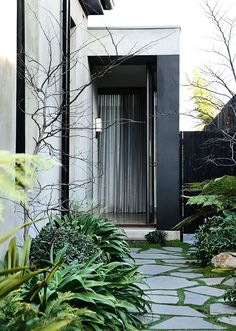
(175, 310)
(168, 282)
(165, 292)
(144, 261)
(205, 290)
(163, 299)
(159, 256)
(134, 250)
(186, 275)
(179, 265)
(220, 309)
(169, 257)
(184, 323)
(153, 251)
(228, 320)
(230, 282)
(173, 249)
(172, 309)
(194, 298)
(152, 269)
(213, 281)
(175, 261)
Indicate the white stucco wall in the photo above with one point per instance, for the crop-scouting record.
(81, 113)
(7, 95)
(136, 40)
(43, 54)
(7, 74)
(43, 26)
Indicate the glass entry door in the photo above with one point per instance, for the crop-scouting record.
(122, 153)
(126, 154)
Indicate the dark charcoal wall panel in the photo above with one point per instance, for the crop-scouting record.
(167, 141)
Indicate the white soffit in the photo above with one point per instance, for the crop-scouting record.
(114, 41)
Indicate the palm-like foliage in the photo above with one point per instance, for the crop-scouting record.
(210, 197)
(108, 291)
(18, 173)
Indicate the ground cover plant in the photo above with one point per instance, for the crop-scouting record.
(230, 295)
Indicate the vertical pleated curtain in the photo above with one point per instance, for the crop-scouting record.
(122, 153)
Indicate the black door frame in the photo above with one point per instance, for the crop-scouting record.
(150, 145)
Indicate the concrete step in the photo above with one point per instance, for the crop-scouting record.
(138, 233)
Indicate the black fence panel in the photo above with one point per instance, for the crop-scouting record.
(205, 155)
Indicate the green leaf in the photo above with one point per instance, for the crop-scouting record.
(12, 283)
(8, 234)
(54, 326)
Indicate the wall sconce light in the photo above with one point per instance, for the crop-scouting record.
(98, 126)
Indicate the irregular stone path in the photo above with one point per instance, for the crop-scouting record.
(181, 297)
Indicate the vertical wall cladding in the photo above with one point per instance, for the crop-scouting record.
(167, 141)
(8, 38)
(81, 133)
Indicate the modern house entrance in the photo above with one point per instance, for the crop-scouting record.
(136, 152)
(126, 146)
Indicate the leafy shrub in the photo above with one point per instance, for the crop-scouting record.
(109, 293)
(230, 295)
(107, 236)
(53, 238)
(156, 237)
(211, 197)
(216, 235)
(16, 314)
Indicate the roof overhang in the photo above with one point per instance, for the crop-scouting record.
(96, 7)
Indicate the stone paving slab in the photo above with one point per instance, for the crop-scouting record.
(213, 281)
(175, 261)
(206, 290)
(143, 261)
(173, 249)
(194, 298)
(186, 275)
(134, 250)
(179, 265)
(183, 323)
(165, 292)
(175, 310)
(153, 251)
(228, 320)
(151, 269)
(157, 256)
(230, 282)
(168, 282)
(163, 299)
(220, 309)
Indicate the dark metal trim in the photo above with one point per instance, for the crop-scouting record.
(107, 4)
(126, 60)
(92, 7)
(122, 90)
(148, 86)
(65, 140)
(20, 78)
